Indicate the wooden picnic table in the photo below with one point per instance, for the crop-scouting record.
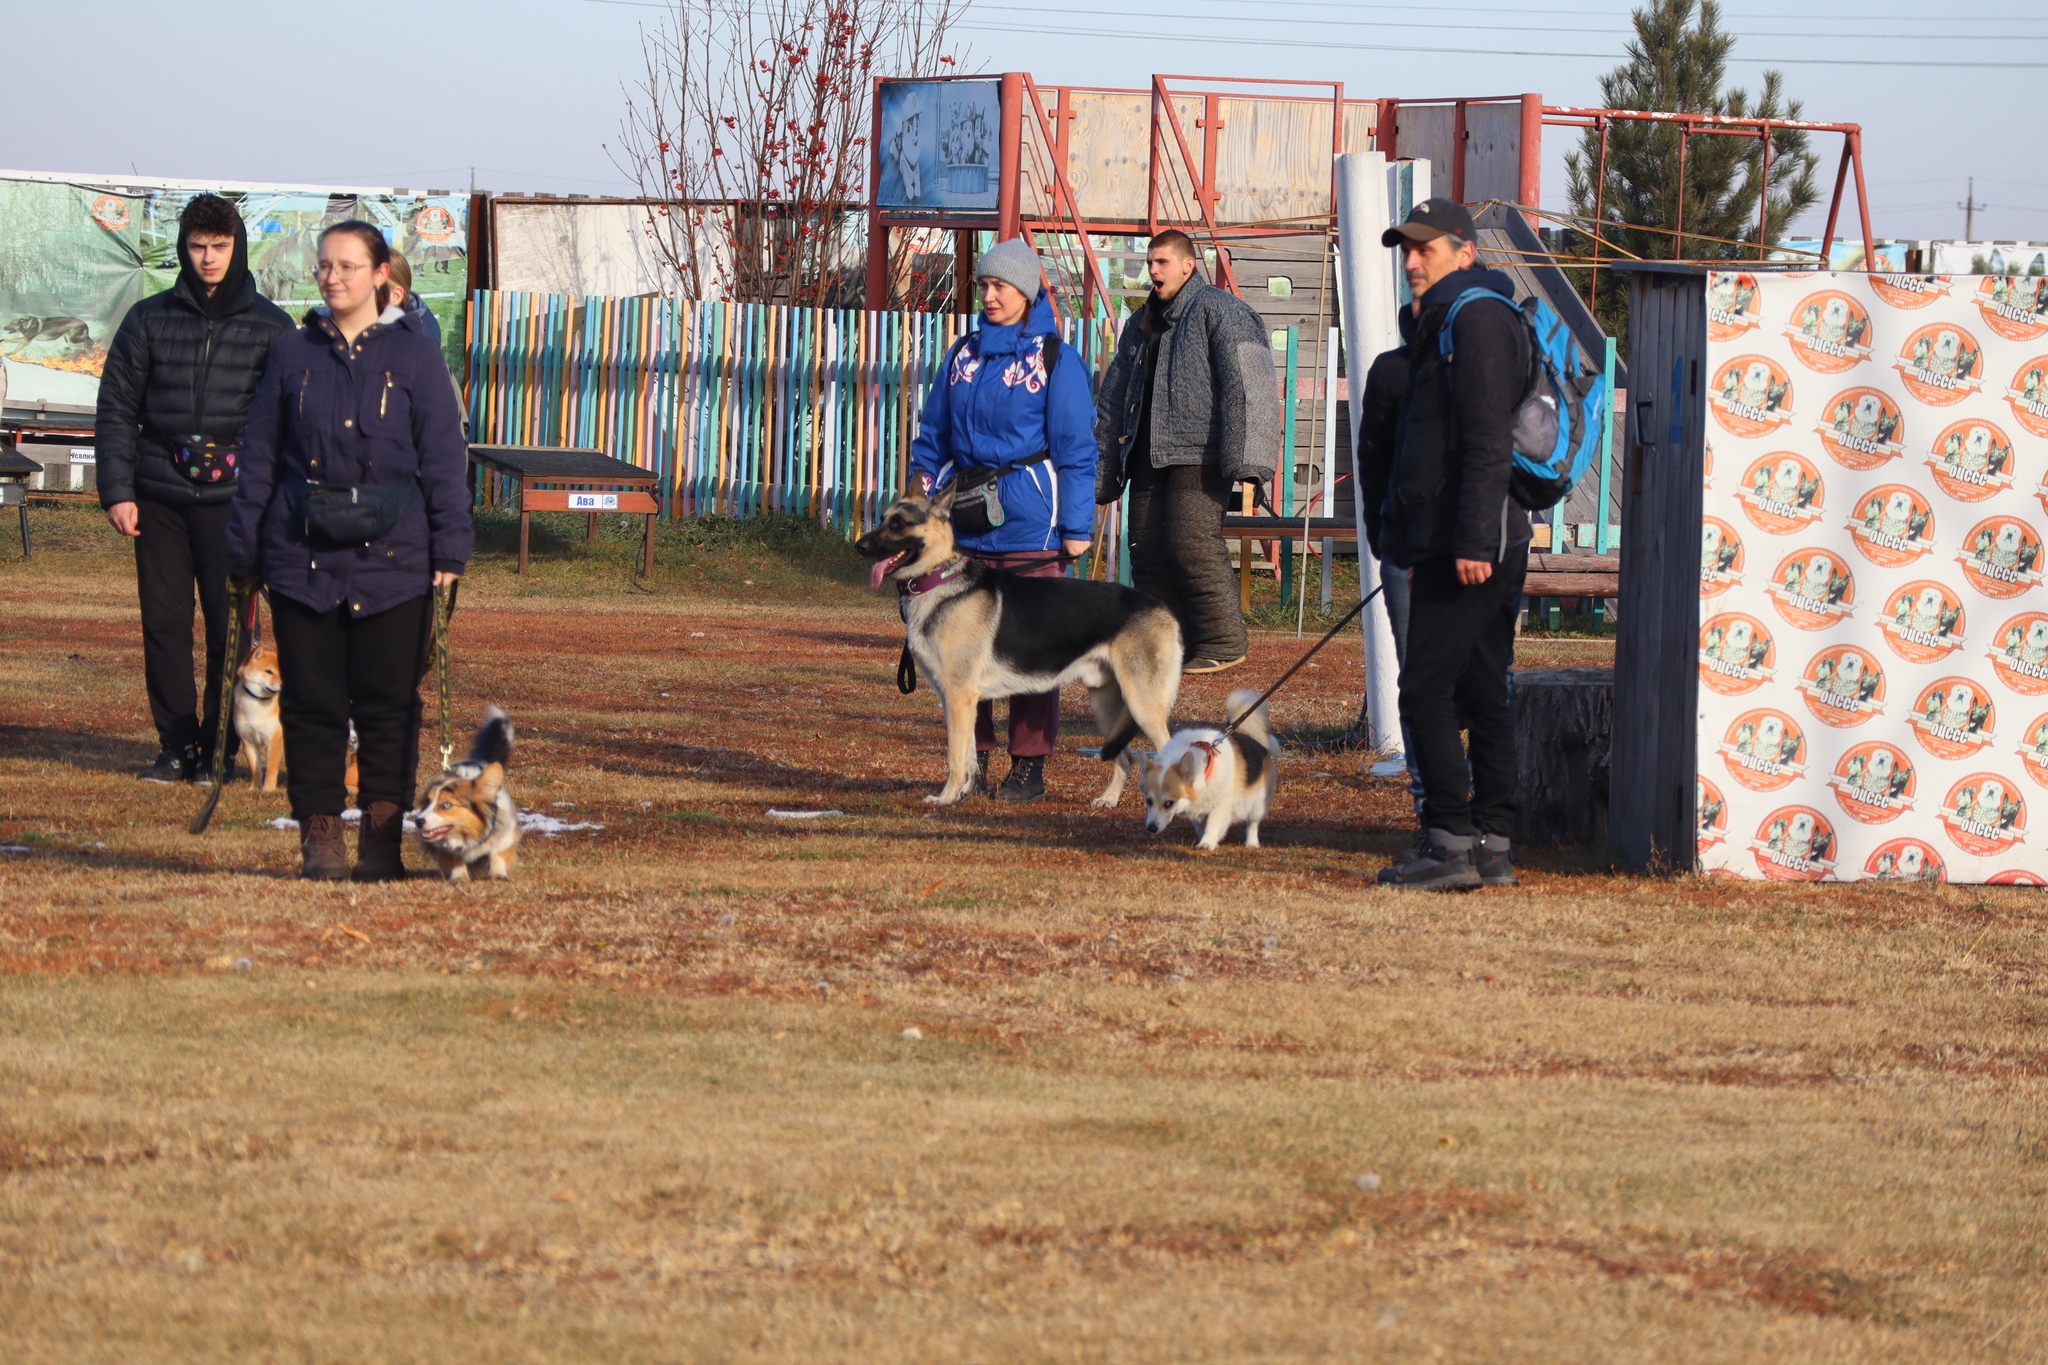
(562, 479)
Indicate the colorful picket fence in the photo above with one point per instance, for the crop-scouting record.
(741, 408)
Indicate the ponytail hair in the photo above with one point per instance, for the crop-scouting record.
(373, 242)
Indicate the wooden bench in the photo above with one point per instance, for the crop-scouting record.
(561, 479)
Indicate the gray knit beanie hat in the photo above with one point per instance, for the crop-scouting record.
(1013, 263)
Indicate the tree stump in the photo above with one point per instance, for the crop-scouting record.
(1564, 738)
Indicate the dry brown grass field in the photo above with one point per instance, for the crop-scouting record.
(982, 1084)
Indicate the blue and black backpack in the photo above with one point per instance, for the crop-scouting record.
(1558, 421)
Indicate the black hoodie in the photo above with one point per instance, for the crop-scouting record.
(183, 363)
(1452, 449)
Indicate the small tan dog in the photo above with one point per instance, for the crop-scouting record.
(257, 724)
(468, 821)
(1216, 782)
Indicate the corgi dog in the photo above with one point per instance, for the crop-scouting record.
(468, 821)
(257, 724)
(1216, 782)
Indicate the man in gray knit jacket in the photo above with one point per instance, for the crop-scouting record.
(1189, 407)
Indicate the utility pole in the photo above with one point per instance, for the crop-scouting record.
(1969, 207)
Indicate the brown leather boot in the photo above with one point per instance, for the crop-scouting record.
(378, 841)
(325, 859)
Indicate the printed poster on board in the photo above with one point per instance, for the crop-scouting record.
(1873, 627)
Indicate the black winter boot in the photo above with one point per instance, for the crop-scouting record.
(1443, 864)
(980, 785)
(1494, 856)
(379, 839)
(1026, 781)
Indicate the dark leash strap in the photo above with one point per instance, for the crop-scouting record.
(906, 672)
(240, 600)
(1328, 636)
(444, 613)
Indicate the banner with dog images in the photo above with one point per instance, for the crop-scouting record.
(1873, 629)
(75, 257)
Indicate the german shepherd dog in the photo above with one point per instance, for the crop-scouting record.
(979, 633)
(468, 821)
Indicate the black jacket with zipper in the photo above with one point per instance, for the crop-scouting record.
(174, 372)
(1446, 479)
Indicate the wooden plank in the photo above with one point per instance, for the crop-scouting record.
(563, 500)
(1572, 585)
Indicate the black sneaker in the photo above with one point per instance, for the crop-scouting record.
(202, 770)
(1443, 863)
(171, 765)
(1026, 781)
(1494, 856)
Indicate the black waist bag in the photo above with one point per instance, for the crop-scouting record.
(344, 514)
(977, 499)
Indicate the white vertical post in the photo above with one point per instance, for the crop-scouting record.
(1365, 292)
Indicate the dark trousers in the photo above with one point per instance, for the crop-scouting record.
(1461, 644)
(337, 669)
(1034, 718)
(1178, 554)
(178, 550)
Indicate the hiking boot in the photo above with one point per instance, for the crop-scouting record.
(1494, 856)
(1026, 781)
(379, 839)
(1210, 663)
(979, 784)
(171, 765)
(1443, 863)
(324, 858)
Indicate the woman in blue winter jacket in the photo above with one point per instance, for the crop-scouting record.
(1017, 398)
(353, 505)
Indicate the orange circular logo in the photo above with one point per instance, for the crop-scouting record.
(1794, 844)
(2001, 557)
(1843, 686)
(1764, 750)
(1812, 589)
(1782, 493)
(1828, 331)
(1909, 291)
(1941, 364)
(1731, 306)
(1923, 622)
(1953, 717)
(1861, 428)
(2033, 749)
(1712, 813)
(1893, 525)
(434, 224)
(1874, 782)
(1737, 654)
(1906, 860)
(110, 211)
(2014, 306)
(1972, 460)
(2019, 653)
(2028, 395)
(1984, 814)
(2015, 877)
(1751, 396)
(1720, 557)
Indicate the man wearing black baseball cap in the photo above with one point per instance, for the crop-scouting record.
(1435, 487)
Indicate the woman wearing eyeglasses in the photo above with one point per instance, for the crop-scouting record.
(353, 506)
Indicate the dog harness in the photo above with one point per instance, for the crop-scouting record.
(1210, 746)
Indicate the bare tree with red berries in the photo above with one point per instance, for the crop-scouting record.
(751, 134)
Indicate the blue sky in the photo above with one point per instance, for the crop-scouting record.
(527, 91)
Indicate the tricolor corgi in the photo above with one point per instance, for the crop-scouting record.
(257, 723)
(468, 821)
(1216, 782)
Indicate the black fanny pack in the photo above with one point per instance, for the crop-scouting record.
(977, 502)
(344, 514)
(202, 460)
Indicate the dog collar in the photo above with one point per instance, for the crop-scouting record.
(924, 583)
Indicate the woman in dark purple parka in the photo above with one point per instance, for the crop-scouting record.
(357, 397)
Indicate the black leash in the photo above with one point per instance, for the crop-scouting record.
(239, 602)
(1330, 635)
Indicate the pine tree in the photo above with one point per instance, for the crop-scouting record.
(1675, 66)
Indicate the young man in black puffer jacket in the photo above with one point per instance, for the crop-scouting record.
(174, 398)
(1439, 506)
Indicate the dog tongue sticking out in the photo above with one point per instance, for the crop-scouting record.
(883, 568)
